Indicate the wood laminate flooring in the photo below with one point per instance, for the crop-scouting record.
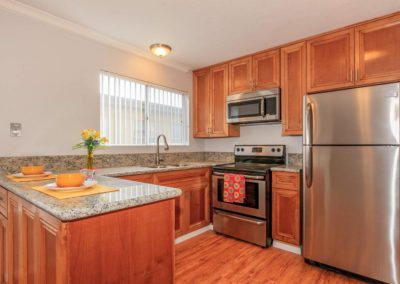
(212, 258)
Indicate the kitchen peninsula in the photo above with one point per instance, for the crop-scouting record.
(126, 236)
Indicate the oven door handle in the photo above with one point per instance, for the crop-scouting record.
(238, 218)
(245, 176)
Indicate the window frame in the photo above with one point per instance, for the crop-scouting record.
(146, 124)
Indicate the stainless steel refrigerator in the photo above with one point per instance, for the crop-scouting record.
(351, 181)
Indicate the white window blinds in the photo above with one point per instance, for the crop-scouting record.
(135, 113)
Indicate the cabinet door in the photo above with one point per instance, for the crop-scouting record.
(219, 92)
(13, 240)
(266, 70)
(378, 51)
(330, 61)
(179, 215)
(3, 250)
(286, 215)
(29, 260)
(201, 103)
(240, 75)
(51, 243)
(293, 87)
(197, 205)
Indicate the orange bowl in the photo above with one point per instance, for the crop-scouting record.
(32, 170)
(70, 180)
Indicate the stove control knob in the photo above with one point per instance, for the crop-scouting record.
(242, 150)
(273, 150)
(278, 150)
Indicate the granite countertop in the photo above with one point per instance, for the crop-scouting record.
(287, 168)
(130, 193)
(125, 171)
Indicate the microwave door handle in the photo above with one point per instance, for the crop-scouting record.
(263, 114)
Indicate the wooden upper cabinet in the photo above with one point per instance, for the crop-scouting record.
(240, 75)
(210, 89)
(330, 61)
(266, 70)
(219, 92)
(378, 51)
(293, 87)
(201, 103)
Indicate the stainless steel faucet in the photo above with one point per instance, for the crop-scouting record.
(158, 160)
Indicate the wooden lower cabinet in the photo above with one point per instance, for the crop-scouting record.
(134, 245)
(286, 208)
(192, 208)
(3, 250)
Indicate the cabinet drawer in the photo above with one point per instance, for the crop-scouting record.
(3, 201)
(286, 180)
(194, 175)
(146, 178)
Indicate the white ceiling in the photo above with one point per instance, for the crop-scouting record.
(204, 32)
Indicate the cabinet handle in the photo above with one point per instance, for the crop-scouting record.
(356, 75)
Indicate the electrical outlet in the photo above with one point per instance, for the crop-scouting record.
(15, 129)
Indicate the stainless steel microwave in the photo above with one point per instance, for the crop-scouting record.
(256, 107)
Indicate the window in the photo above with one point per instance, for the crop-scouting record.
(135, 113)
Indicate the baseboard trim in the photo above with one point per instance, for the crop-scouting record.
(287, 247)
(193, 234)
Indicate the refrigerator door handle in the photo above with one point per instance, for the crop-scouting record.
(309, 125)
(308, 165)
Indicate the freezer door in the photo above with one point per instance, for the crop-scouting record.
(368, 116)
(351, 209)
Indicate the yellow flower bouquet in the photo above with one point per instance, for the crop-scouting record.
(91, 141)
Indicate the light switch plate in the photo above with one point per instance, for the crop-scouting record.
(15, 129)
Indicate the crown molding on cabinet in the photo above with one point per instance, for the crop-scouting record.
(58, 22)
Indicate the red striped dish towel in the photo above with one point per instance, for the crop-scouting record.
(234, 188)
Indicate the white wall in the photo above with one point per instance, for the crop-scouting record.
(256, 134)
(49, 83)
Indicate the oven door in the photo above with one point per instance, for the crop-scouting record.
(246, 110)
(254, 202)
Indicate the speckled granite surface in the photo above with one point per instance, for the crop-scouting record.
(295, 160)
(130, 193)
(124, 171)
(295, 164)
(71, 162)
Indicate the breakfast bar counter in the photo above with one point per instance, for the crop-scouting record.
(124, 236)
(129, 194)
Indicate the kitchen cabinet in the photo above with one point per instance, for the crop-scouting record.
(266, 70)
(330, 61)
(115, 247)
(257, 72)
(286, 207)
(210, 89)
(240, 75)
(3, 250)
(377, 47)
(293, 87)
(192, 208)
(201, 103)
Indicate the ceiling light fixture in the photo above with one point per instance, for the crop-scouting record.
(160, 49)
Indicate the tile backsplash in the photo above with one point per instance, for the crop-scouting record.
(73, 162)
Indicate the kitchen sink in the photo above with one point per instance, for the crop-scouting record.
(168, 166)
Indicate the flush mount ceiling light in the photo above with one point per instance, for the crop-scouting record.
(160, 49)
